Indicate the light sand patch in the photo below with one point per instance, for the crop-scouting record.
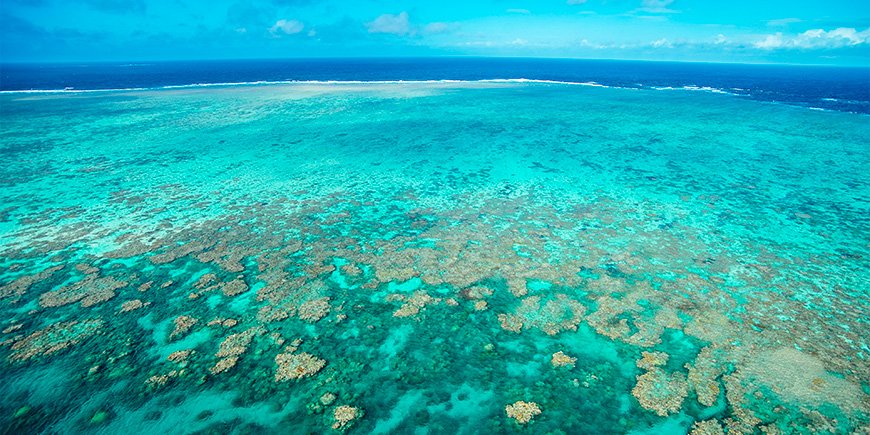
(801, 378)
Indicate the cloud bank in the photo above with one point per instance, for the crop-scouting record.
(288, 27)
(391, 24)
(815, 39)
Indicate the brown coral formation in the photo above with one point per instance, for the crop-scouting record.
(508, 243)
(351, 269)
(314, 310)
(179, 356)
(707, 427)
(626, 319)
(559, 313)
(20, 286)
(132, 305)
(235, 287)
(661, 392)
(90, 291)
(522, 412)
(742, 420)
(224, 365)
(703, 376)
(510, 322)
(650, 360)
(344, 415)
(327, 398)
(226, 323)
(711, 326)
(802, 379)
(159, 381)
(476, 292)
(186, 249)
(12, 328)
(206, 281)
(183, 324)
(237, 344)
(559, 359)
(413, 304)
(53, 339)
(296, 365)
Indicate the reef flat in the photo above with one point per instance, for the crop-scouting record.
(432, 258)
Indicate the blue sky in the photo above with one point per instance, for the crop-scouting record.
(797, 31)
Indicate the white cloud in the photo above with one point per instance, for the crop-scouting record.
(661, 43)
(288, 27)
(656, 3)
(770, 41)
(438, 27)
(389, 23)
(657, 6)
(782, 22)
(721, 39)
(519, 11)
(815, 38)
(587, 44)
(650, 17)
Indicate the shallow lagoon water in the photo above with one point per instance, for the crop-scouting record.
(413, 257)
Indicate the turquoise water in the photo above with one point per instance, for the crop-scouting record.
(408, 258)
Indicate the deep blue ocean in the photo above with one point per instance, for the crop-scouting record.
(822, 87)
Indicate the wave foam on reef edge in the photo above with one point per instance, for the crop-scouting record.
(736, 92)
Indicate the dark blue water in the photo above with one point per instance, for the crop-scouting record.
(832, 88)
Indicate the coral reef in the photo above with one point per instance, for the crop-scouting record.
(510, 322)
(707, 427)
(224, 365)
(296, 365)
(226, 323)
(559, 359)
(703, 374)
(180, 356)
(327, 399)
(53, 339)
(237, 344)
(344, 415)
(406, 283)
(559, 313)
(20, 286)
(650, 360)
(661, 392)
(413, 304)
(235, 287)
(132, 305)
(314, 310)
(159, 381)
(522, 412)
(12, 328)
(183, 324)
(801, 378)
(741, 420)
(90, 291)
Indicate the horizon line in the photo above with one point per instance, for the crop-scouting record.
(445, 56)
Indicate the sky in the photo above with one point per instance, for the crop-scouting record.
(752, 31)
